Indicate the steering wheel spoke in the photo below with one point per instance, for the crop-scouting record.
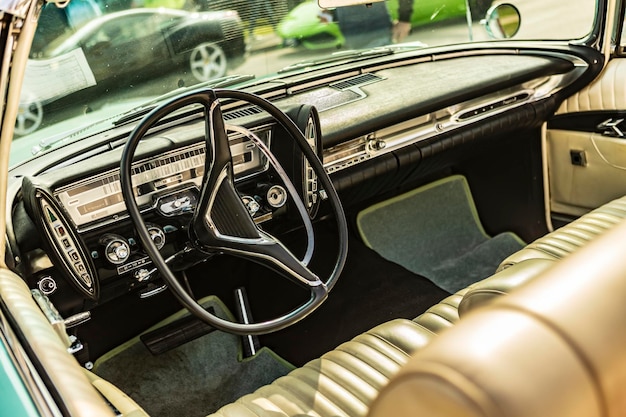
(221, 223)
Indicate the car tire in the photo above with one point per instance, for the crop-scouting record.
(479, 8)
(207, 61)
(29, 118)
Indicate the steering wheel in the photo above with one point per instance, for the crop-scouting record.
(221, 223)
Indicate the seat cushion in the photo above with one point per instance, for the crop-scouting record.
(343, 382)
(573, 236)
(447, 312)
(501, 283)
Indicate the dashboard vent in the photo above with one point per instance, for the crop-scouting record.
(242, 112)
(357, 81)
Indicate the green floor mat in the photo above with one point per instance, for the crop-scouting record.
(194, 379)
(434, 231)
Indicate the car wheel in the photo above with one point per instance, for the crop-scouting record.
(479, 8)
(29, 118)
(207, 61)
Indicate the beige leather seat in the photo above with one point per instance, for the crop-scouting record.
(568, 239)
(447, 312)
(552, 348)
(346, 380)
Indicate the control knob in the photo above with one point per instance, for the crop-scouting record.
(47, 285)
(157, 235)
(276, 196)
(116, 249)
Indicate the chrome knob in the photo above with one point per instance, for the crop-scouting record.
(157, 235)
(276, 196)
(142, 275)
(251, 204)
(116, 249)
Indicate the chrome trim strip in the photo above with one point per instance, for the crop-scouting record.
(245, 318)
(430, 125)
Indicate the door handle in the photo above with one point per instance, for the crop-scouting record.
(611, 128)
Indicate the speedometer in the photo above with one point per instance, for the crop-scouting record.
(99, 197)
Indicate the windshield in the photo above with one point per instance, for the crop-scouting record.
(94, 60)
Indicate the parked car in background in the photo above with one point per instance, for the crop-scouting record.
(123, 49)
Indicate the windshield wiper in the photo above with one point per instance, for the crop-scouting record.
(67, 136)
(147, 107)
(356, 55)
(341, 56)
(136, 112)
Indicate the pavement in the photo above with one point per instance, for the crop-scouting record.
(263, 40)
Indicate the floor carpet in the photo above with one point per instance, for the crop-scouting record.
(435, 231)
(370, 291)
(194, 379)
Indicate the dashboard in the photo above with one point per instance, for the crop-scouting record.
(368, 140)
(91, 238)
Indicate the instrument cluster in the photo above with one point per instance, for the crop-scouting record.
(96, 199)
(92, 238)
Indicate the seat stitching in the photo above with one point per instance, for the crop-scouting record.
(360, 377)
(388, 343)
(317, 396)
(330, 358)
(342, 348)
(335, 383)
(440, 316)
(246, 405)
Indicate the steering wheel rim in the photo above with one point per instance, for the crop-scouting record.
(269, 250)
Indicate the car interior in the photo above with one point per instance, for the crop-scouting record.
(395, 235)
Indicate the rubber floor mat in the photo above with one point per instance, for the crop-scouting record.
(435, 231)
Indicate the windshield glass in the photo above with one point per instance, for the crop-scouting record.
(93, 60)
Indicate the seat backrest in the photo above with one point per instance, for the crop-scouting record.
(554, 347)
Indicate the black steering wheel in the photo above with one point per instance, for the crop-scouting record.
(221, 223)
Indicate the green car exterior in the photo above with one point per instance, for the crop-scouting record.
(315, 28)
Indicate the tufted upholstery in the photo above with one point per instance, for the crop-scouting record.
(552, 348)
(562, 242)
(342, 382)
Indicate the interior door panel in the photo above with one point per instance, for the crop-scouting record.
(586, 170)
(586, 145)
